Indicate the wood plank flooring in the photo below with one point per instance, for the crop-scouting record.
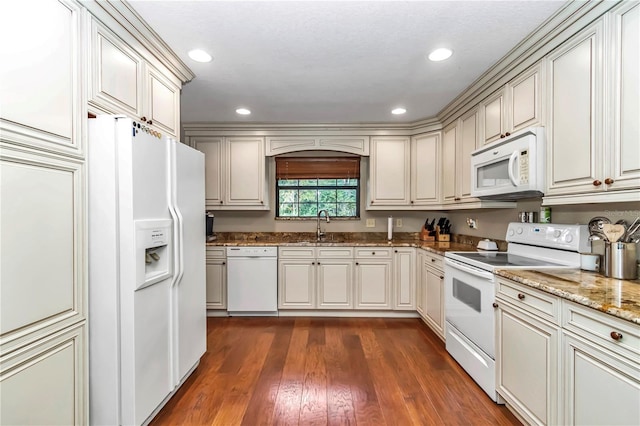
(328, 371)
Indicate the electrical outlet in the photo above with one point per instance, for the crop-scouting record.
(473, 223)
(398, 223)
(371, 223)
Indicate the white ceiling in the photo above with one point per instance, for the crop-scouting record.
(335, 61)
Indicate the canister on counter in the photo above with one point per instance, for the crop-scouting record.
(545, 215)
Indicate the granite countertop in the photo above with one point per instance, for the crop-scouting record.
(620, 298)
(355, 239)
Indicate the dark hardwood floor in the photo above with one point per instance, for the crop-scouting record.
(264, 371)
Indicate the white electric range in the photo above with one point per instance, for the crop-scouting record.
(470, 289)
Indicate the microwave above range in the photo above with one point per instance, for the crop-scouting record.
(511, 168)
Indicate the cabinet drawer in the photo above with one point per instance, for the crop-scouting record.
(334, 252)
(373, 252)
(433, 260)
(600, 328)
(216, 252)
(540, 304)
(297, 252)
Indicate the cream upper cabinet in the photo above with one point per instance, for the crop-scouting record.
(425, 169)
(390, 171)
(404, 172)
(122, 82)
(235, 172)
(515, 106)
(459, 140)
(593, 149)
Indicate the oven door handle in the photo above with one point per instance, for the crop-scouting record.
(469, 269)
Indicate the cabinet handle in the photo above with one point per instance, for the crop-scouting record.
(609, 181)
(149, 122)
(520, 296)
(495, 305)
(457, 199)
(143, 119)
(597, 183)
(616, 336)
(507, 134)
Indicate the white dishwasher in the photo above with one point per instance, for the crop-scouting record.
(252, 281)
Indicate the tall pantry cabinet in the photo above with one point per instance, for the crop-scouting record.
(46, 49)
(43, 267)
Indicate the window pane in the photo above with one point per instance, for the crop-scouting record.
(308, 209)
(326, 182)
(288, 195)
(288, 182)
(347, 195)
(327, 195)
(308, 195)
(346, 209)
(331, 208)
(288, 209)
(347, 182)
(308, 182)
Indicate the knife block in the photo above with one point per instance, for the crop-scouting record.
(424, 235)
(441, 237)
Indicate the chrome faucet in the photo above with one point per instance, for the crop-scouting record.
(319, 233)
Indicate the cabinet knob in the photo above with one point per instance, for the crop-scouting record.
(597, 183)
(441, 277)
(357, 263)
(616, 336)
(220, 201)
(318, 263)
(395, 251)
(507, 134)
(433, 260)
(411, 201)
(495, 305)
(313, 263)
(149, 122)
(609, 181)
(371, 201)
(502, 136)
(261, 202)
(457, 199)
(224, 263)
(520, 296)
(373, 253)
(143, 119)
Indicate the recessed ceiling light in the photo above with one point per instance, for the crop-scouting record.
(440, 54)
(398, 111)
(199, 55)
(243, 111)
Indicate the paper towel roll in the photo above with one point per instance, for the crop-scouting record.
(390, 228)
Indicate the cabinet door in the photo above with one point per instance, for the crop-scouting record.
(296, 284)
(163, 100)
(389, 171)
(213, 150)
(41, 81)
(245, 178)
(116, 73)
(493, 118)
(216, 284)
(468, 138)
(574, 149)
(335, 290)
(404, 282)
(425, 169)
(525, 106)
(373, 284)
(601, 388)
(449, 164)
(434, 299)
(527, 360)
(421, 284)
(625, 94)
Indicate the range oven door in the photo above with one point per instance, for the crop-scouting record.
(469, 298)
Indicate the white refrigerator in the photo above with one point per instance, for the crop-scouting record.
(147, 314)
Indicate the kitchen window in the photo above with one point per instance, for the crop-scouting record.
(306, 185)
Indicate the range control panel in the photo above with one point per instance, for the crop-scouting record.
(558, 236)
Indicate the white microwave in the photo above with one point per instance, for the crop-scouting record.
(510, 168)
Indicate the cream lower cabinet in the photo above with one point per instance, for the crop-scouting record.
(334, 283)
(404, 278)
(216, 259)
(432, 292)
(421, 284)
(527, 353)
(601, 363)
(235, 172)
(373, 278)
